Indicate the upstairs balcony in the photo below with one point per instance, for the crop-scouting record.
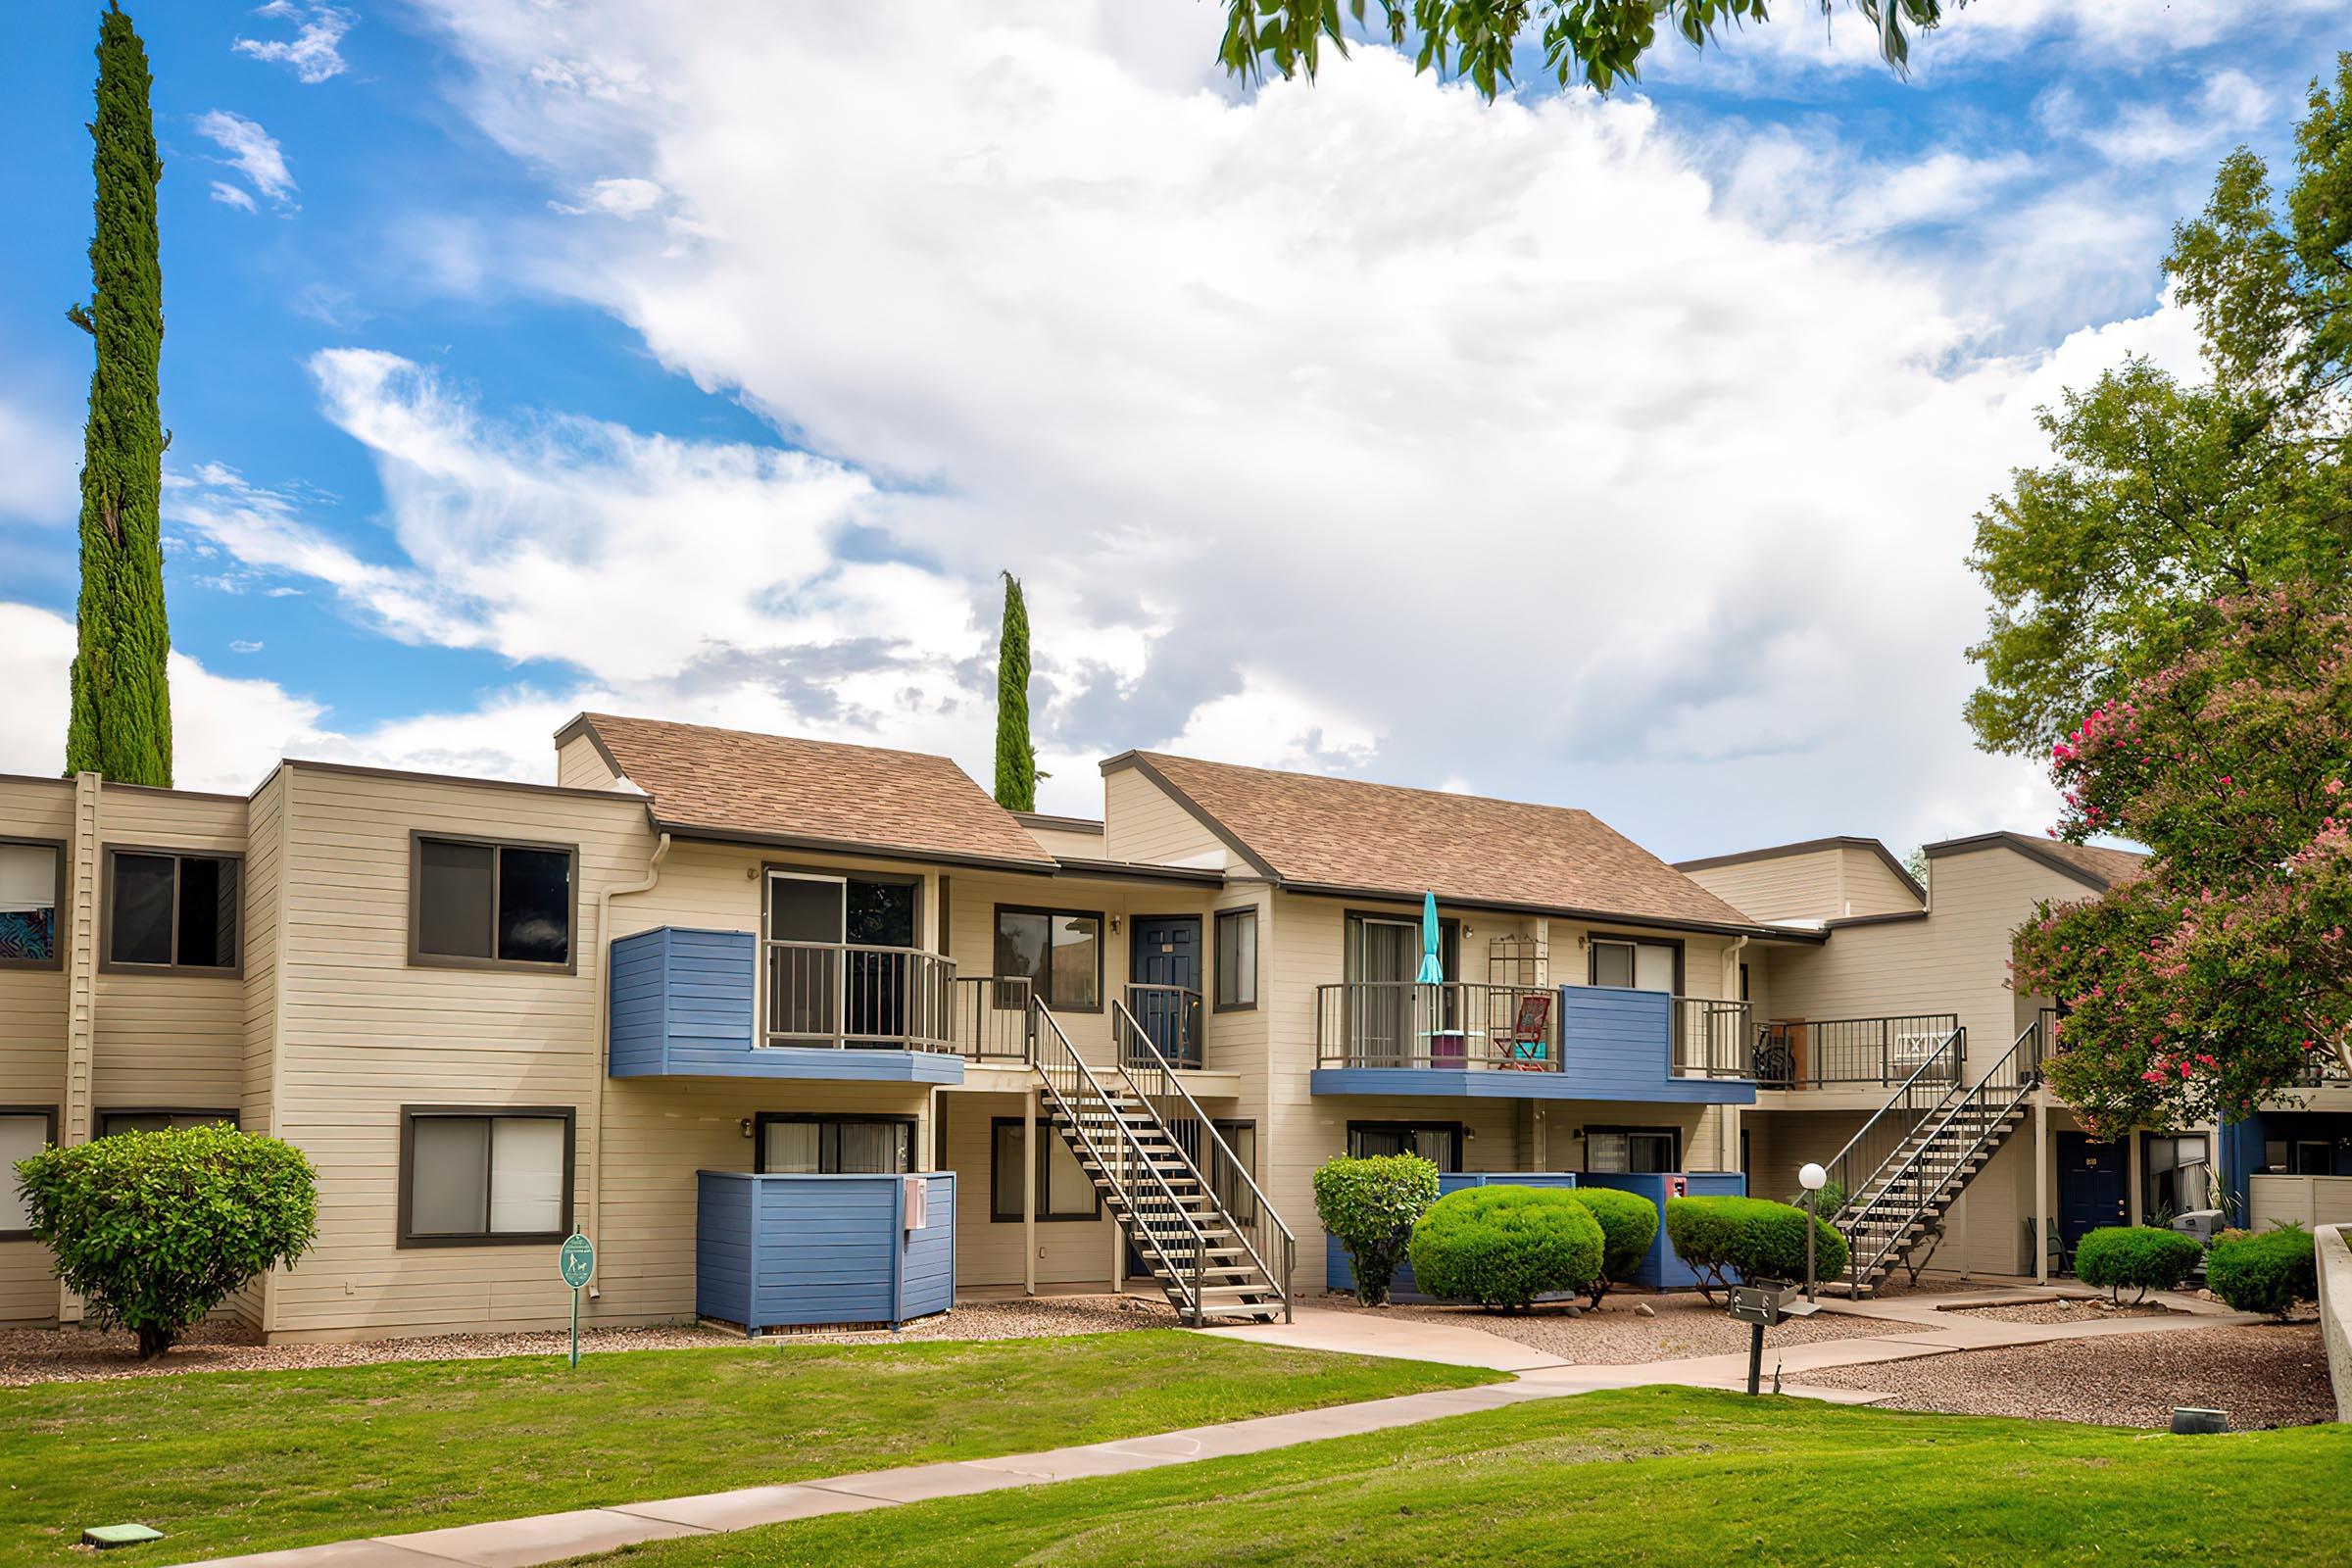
(1873, 1052)
(1484, 1041)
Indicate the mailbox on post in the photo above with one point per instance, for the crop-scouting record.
(1763, 1306)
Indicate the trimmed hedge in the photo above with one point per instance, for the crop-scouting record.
(2265, 1273)
(1748, 1240)
(153, 1230)
(1370, 1208)
(2145, 1258)
(1629, 1223)
(1503, 1247)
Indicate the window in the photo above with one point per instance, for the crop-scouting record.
(1237, 959)
(31, 870)
(1059, 952)
(1224, 1180)
(1634, 965)
(25, 1131)
(476, 902)
(1440, 1142)
(484, 1176)
(1064, 1191)
(111, 1122)
(2179, 1178)
(2298, 1156)
(835, 1146)
(167, 910)
(1622, 1151)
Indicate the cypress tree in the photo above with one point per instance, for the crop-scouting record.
(121, 723)
(1017, 759)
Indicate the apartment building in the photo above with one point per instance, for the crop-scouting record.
(806, 1033)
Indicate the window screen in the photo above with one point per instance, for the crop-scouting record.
(1059, 952)
(487, 1177)
(173, 910)
(493, 903)
(1237, 959)
(29, 882)
(1065, 1192)
(22, 1135)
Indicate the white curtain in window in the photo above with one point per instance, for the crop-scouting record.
(870, 1148)
(526, 1175)
(21, 1138)
(449, 1173)
(28, 878)
(791, 1148)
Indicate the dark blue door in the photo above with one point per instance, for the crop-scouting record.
(2090, 1185)
(1163, 969)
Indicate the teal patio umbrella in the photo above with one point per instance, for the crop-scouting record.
(1433, 972)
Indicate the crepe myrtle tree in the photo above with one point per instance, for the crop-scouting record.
(1596, 42)
(2224, 975)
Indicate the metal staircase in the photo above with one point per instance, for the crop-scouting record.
(1910, 1162)
(1216, 1248)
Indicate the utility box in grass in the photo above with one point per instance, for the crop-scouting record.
(1339, 1271)
(1661, 1269)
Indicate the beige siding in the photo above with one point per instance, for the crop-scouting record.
(33, 1036)
(1828, 883)
(579, 766)
(1066, 842)
(1870, 885)
(1142, 822)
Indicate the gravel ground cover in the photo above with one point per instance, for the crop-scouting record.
(2072, 1310)
(2263, 1374)
(1681, 1326)
(76, 1355)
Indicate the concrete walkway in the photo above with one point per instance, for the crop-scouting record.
(1914, 1331)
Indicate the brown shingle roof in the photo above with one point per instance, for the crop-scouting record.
(2091, 865)
(816, 793)
(1348, 834)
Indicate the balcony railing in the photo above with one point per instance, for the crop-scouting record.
(1827, 1053)
(1452, 1024)
(1170, 1015)
(843, 995)
(992, 1020)
(1710, 1038)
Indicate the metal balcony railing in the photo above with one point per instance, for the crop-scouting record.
(1455, 1024)
(1710, 1038)
(1169, 1016)
(1828, 1052)
(840, 994)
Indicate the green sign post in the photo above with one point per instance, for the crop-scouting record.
(578, 1262)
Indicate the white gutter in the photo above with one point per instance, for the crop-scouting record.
(603, 1042)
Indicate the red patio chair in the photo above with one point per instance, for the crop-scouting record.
(1522, 1046)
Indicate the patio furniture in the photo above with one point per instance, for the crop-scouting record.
(1448, 1048)
(1523, 1046)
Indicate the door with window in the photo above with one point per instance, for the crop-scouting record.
(840, 959)
(1163, 969)
(1383, 958)
(2178, 1177)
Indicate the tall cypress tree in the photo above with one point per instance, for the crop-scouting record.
(1017, 759)
(121, 726)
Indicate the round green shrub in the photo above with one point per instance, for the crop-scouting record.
(153, 1230)
(1748, 1240)
(1369, 1206)
(1629, 1223)
(2145, 1258)
(2267, 1272)
(1503, 1247)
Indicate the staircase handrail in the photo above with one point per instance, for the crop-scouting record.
(1158, 1070)
(1955, 1047)
(1132, 1148)
(1980, 1095)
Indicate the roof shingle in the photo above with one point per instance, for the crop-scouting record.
(1384, 838)
(735, 782)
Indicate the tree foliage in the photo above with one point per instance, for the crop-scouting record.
(120, 722)
(1597, 43)
(155, 1229)
(2104, 564)
(1371, 1206)
(2222, 977)
(1506, 1247)
(1016, 756)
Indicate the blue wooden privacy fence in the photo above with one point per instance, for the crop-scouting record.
(787, 1251)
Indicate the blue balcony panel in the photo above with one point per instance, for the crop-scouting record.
(790, 1252)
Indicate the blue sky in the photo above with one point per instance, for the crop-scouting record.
(523, 356)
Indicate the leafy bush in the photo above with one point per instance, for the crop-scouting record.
(1748, 1240)
(1833, 1199)
(2142, 1256)
(153, 1230)
(1503, 1247)
(1370, 1206)
(2267, 1272)
(1629, 1223)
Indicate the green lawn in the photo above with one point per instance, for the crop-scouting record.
(1642, 1476)
(248, 1461)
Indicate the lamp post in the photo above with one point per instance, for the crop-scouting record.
(1814, 1179)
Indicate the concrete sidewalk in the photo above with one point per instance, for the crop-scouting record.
(551, 1538)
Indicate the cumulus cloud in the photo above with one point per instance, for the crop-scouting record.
(252, 152)
(40, 465)
(237, 196)
(315, 53)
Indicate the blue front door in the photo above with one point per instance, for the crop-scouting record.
(2090, 1185)
(1163, 966)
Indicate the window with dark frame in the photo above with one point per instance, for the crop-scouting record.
(25, 1131)
(1065, 1192)
(833, 1146)
(1224, 1180)
(170, 911)
(112, 1122)
(486, 1177)
(1237, 959)
(480, 901)
(31, 873)
(1439, 1142)
(1631, 1150)
(1059, 952)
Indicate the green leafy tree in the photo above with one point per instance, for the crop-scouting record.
(1016, 757)
(2104, 564)
(2222, 977)
(1597, 43)
(120, 717)
(1371, 1206)
(153, 1230)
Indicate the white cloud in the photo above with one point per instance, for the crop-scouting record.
(40, 465)
(233, 195)
(251, 151)
(617, 198)
(244, 645)
(315, 53)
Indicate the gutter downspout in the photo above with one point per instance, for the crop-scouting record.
(604, 1044)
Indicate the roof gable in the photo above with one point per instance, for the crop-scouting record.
(2093, 866)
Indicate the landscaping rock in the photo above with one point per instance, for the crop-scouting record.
(1645, 1309)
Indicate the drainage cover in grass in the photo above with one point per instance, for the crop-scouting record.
(104, 1536)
